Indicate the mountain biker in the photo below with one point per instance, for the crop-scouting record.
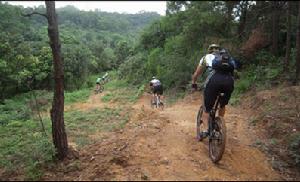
(220, 79)
(156, 88)
(98, 83)
(99, 79)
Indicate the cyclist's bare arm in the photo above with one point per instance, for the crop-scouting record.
(200, 69)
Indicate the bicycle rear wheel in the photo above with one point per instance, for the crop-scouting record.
(217, 140)
(199, 123)
(161, 105)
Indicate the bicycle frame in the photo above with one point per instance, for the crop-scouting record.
(157, 101)
(216, 131)
(212, 114)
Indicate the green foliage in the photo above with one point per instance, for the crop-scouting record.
(92, 42)
(259, 76)
(294, 147)
(133, 69)
(20, 107)
(171, 47)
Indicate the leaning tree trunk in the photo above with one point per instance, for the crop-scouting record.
(288, 37)
(57, 112)
(297, 78)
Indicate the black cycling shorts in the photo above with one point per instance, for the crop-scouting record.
(158, 89)
(218, 83)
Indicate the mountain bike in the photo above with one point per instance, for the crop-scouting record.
(157, 103)
(216, 131)
(106, 79)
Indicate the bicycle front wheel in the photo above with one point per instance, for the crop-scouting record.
(217, 140)
(199, 123)
(161, 105)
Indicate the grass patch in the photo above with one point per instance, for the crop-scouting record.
(21, 107)
(80, 125)
(121, 95)
(120, 91)
(77, 96)
(24, 148)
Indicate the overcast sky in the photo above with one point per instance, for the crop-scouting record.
(131, 7)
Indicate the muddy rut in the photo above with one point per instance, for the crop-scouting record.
(161, 145)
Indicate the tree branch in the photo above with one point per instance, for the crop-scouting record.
(33, 13)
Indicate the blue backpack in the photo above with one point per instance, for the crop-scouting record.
(223, 63)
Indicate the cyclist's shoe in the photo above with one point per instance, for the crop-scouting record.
(202, 135)
(201, 121)
(205, 133)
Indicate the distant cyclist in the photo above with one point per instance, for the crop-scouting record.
(156, 88)
(100, 81)
(220, 79)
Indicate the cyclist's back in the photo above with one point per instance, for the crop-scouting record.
(220, 80)
(155, 82)
(156, 86)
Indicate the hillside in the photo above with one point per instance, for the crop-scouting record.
(116, 135)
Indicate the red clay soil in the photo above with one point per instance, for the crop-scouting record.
(161, 145)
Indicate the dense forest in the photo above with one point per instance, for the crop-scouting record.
(263, 36)
(92, 42)
(100, 41)
(255, 33)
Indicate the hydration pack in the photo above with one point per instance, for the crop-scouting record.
(223, 63)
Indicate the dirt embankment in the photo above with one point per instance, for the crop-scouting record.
(161, 145)
(275, 120)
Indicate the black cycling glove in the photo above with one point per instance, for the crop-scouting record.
(194, 86)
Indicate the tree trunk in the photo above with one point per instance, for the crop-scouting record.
(288, 37)
(298, 48)
(57, 112)
(243, 18)
(229, 17)
(275, 27)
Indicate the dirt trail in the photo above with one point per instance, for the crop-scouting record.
(178, 156)
(94, 101)
(161, 145)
